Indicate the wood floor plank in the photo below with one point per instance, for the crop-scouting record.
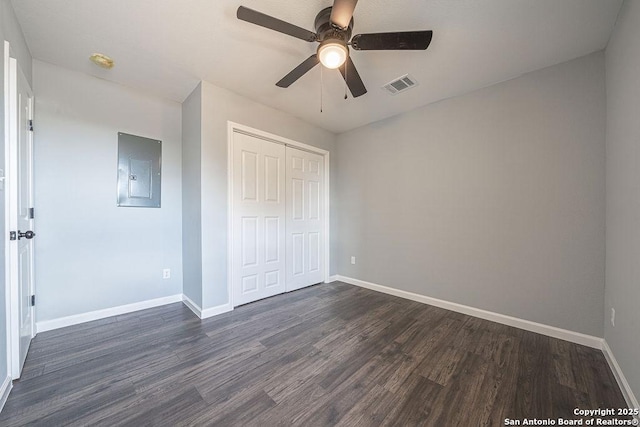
(293, 379)
(167, 407)
(600, 384)
(465, 389)
(334, 405)
(242, 413)
(254, 378)
(371, 410)
(331, 354)
(366, 350)
(428, 337)
(412, 406)
(501, 379)
(535, 377)
(293, 410)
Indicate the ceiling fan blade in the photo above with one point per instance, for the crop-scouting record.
(299, 71)
(342, 12)
(258, 18)
(408, 40)
(354, 82)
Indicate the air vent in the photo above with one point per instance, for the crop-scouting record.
(400, 84)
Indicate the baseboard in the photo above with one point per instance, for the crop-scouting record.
(207, 312)
(214, 311)
(191, 305)
(5, 389)
(331, 279)
(62, 322)
(629, 397)
(552, 331)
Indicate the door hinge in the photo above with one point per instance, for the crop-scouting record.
(32, 213)
(33, 300)
(31, 125)
(13, 235)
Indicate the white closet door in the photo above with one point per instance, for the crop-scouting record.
(305, 219)
(258, 219)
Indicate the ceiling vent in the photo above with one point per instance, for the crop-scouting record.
(400, 84)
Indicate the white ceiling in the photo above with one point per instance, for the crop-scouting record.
(166, 46)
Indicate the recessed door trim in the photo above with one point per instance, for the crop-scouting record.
(232, 128)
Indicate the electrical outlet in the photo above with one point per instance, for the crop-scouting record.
(166, 273)
(353, 260)
(613, 317)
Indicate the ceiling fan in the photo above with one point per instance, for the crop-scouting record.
(333, 31)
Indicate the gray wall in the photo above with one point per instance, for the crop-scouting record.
(90, 254)
(10, 31)
(494, 199)
(191, 193)
(622, 290)
(219, 106)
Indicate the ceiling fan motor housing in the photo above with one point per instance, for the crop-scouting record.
(326, 31)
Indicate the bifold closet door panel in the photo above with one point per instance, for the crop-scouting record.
(259, 212)
(305, 218)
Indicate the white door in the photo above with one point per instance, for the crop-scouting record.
(305, 218)
(21, 215)
(258, 269)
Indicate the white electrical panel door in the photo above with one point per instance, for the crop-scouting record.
(258, 240)
(305, 218)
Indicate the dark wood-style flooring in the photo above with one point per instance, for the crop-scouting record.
(326, 355)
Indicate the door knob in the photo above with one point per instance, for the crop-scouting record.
(27, 234)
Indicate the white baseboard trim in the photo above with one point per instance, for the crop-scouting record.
(527, 325)
(5, 389)
(629, 397)
(191, 305)
(331, 279)
(62, 322)
(207, 312)
(214, 311)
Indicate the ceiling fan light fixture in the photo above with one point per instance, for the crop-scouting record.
(333, 53)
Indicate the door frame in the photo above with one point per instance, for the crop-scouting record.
(7, 246)
(232, 128)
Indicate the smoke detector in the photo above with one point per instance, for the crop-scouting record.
(400, 84)
(102, 60)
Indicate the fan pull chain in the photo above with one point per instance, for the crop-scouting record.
(345, 80)
(321, 83)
